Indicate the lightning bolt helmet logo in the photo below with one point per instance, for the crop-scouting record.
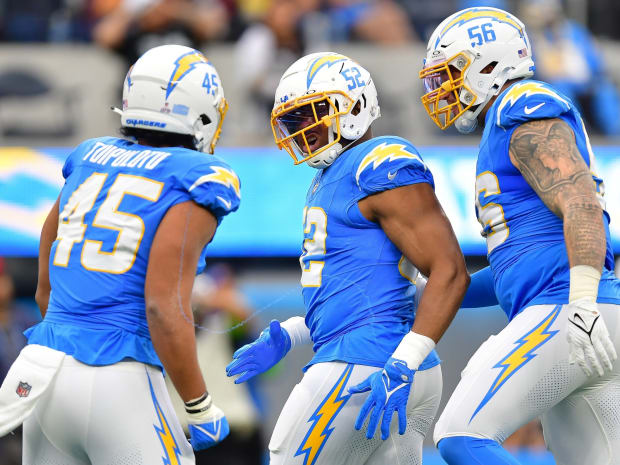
(183, 65)
(327, 60)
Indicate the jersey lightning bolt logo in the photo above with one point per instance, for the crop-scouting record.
(184, 64)
(323, 417)
(383, 152)
(222, 176)
(323, 61)
(171, 449)
(522, 354)
(525, 90)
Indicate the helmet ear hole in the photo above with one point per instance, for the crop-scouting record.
(488, 69)
(205, 119)
(357, 108)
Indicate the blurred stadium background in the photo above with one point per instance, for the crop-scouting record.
(62, 63)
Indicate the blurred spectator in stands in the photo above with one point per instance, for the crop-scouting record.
(72, 21)
(13, 321)
(501, 4)
(263, 53)
(26, 20)
(603, 17)
(45, 20)
(252, 10)
(379, 21)
(130, 27)
(218, 306)
(567, 57)
(424, 16)
(292, 28)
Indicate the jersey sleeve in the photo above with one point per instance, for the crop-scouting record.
(390, 164)
(530, 100)
(214, 185)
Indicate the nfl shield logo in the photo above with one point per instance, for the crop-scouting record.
(23, 389)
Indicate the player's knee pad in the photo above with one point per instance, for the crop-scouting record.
(466, 450)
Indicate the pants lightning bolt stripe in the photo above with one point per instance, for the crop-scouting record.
(293, 442)
(523, 373)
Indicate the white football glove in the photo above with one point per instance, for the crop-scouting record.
(589, 344)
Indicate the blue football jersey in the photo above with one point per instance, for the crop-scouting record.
(357, 286)
(115, 195)
(525, 240)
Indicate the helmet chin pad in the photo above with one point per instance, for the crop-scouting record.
(466, 123)
(325, 158)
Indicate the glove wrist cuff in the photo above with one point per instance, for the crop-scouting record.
(297, 331)
(584, 281)
(413, 349)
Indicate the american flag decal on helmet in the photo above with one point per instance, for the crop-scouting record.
(23, 389)
(522, 53)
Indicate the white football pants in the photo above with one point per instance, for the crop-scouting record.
(316, 425)
(107, 415)
(523, 373)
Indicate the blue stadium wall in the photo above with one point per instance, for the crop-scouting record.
(268, 224)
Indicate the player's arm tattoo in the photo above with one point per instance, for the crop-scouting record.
(546, 154)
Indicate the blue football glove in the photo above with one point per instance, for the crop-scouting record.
(389, 392)
(251, 359)
(206, 423)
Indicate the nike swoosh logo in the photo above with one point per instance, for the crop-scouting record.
(391, 176)
(529, 111)
(226, 203)
(583, 326)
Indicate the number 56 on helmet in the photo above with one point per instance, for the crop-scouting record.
(469, 57)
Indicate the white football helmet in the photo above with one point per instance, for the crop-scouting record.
(173, 88)
(328, 89)
(469, 41)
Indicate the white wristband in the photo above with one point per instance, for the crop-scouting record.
(297, 330)
(413, 349)
(199, 407)
(584, 281)
(202, 410)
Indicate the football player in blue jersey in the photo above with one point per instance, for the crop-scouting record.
(118, 255)
(371, 221)
(540, 204)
